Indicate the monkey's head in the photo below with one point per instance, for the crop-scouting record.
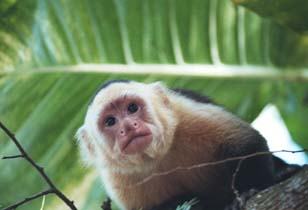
(129, 126)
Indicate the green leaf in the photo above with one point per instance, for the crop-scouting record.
(55, 53)
(292, 13)
(294, 109)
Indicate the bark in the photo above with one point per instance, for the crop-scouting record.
(289, 194)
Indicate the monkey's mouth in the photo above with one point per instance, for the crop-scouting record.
(137, 143)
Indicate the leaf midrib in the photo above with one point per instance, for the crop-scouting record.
(198, 70)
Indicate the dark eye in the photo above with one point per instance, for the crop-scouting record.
(132, 108)
(110, 121)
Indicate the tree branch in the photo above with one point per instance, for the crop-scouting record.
(289, 194)
(38, 168)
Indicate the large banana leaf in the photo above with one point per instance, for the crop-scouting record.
(55, 53)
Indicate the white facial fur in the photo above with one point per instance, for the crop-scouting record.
(94, 145)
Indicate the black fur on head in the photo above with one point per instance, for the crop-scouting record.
(106, 84)
(194, 96)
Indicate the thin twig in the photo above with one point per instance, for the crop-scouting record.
(12, 157)
(38, 168)
(211, 164)
(235, 191)
(15, 205)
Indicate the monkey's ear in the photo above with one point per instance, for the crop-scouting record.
(161, 90)
(87, 149)
(158, 85)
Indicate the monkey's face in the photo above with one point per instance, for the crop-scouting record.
(128, 127)
(125, 124)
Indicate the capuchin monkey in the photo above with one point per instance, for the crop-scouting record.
(133, 131)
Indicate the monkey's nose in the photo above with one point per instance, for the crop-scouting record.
(128, 126)
(136, 124)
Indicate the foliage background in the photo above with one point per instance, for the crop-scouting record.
(45, 85)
